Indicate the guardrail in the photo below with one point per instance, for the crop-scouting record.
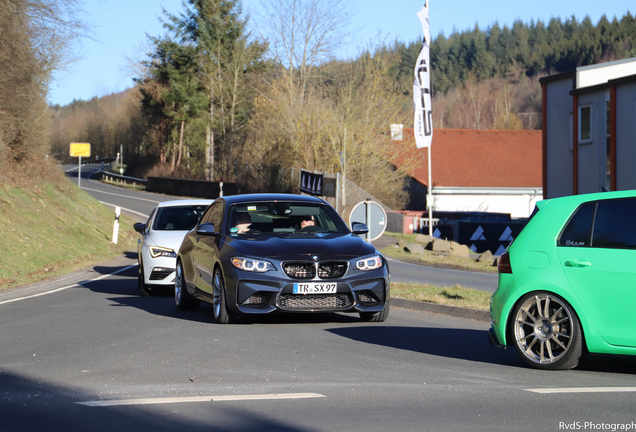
(122, 180)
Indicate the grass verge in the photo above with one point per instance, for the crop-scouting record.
(54, 228)
(433, 259)
(452, 296)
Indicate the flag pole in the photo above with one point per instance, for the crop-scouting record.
(423, 121)
(429, 198)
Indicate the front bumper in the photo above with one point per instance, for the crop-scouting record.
(361, 292)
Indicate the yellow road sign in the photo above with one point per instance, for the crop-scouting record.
(80, 149)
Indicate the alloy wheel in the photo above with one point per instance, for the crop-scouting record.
(544, 329)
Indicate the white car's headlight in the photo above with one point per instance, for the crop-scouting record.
(157, 251)
(252, 265)
(372, 263)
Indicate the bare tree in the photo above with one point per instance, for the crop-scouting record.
(304, 34)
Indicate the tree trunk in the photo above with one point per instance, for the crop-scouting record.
(180, 143)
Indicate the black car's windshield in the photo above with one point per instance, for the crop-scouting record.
(178, 218)
(283, 217)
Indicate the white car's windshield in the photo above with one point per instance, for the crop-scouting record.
(178, 218)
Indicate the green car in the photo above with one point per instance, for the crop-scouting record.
(567, 284)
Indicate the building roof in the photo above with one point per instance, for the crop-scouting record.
(469, 158)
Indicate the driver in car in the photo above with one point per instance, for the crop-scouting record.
(243, 223)
(307, 221)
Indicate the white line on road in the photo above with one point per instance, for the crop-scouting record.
(124, 208)
(276, 396)
(68, 286)
(122, 196)
(583, 390)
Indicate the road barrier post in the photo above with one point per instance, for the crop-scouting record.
(116, 225)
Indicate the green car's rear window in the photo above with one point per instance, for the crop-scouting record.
(579, 229)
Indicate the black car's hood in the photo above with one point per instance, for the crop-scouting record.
(302, 246)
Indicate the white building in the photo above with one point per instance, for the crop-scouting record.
(589, 129)
(493, 171)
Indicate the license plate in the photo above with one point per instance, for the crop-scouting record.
(315, 288)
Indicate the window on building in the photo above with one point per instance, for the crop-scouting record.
(585, 124)
(608, 165)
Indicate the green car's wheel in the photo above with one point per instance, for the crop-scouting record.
(546, 332)
(182, 298)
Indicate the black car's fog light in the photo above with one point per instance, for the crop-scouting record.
(255, 299)
(366, 297)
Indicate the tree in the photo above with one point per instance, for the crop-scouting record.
(226, 63)
(304, 34)
(36, 40)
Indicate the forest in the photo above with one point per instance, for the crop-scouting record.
(217, 96)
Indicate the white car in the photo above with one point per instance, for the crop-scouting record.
(160, 239)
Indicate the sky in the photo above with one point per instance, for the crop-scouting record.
(120, 29)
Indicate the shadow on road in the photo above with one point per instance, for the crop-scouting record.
(466, 344)
(124, 286)
(462, 344)
(29, 405)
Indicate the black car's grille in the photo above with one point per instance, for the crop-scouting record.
(300, 270)
(308, 270)
(332, 270)
(159, 273)
(315, 301)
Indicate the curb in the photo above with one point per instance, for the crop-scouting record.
(454, 311)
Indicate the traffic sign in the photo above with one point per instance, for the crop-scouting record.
(80, 150)
(373, 215)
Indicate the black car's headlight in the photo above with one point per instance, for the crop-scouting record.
(252, 265)
(372, 263)
(157, 251)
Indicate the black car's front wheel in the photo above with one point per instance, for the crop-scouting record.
(182, 297)
(221, 313)
(376, 316)
(546, 332)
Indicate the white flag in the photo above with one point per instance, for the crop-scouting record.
(423, 124)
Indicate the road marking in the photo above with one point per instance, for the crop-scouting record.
(124, 208)
(69, 286)
(121, 196)
(583, 390)
(275, 396)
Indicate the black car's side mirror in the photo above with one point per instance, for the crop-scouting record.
(206, 229)
(140, 227)
(358, 228)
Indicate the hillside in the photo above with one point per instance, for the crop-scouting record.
(51, 227)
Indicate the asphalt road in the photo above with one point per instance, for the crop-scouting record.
(86, 353)
(97, 357)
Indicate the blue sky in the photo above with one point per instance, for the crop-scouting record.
(121, 27)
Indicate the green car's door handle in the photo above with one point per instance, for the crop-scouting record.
(578, 264)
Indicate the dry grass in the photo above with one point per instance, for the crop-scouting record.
(50, 227)
(433, 259)
(452, 296)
